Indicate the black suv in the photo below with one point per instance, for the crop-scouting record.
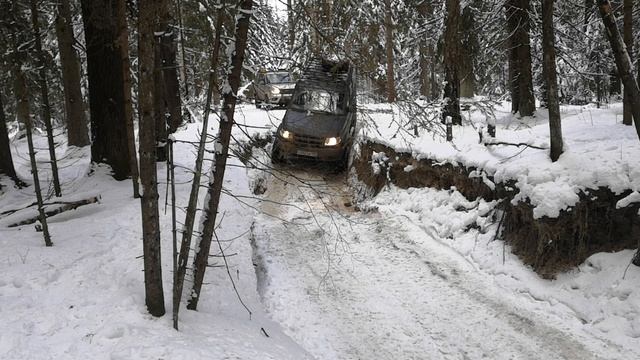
(320, 121)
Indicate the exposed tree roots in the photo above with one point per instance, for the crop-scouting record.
(549, 245)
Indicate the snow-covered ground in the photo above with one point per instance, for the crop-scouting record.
(83, 298)
(404, 278)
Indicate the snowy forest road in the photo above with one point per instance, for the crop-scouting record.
(349, 284)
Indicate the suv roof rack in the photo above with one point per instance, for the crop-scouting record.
(326, 74)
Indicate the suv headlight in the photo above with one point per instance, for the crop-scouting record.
(275, 91)
(332, 141)
(286, 134)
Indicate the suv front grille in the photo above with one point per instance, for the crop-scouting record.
(304, 141)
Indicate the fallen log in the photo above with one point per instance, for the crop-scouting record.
(495, 143)
(66, 206)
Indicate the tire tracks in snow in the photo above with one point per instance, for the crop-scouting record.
(374, 293)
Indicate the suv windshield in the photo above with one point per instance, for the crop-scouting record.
(279, 78)
(320, 101)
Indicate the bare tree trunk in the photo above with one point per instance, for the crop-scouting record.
(148, 176)
(627, 118)
(44, 91)
(106, 96)
(549, 63)
(77, 129)
(467, 54)
(23, 113)
(171, 85)
(192, 207)
(291, 28)
(215, 57)
(220, 159)
(424, 8)
(6, 160)
(435, 90)
(588, 6)
(36, 182)
(183, 63)
(623, 61)
(168, 111)
(451, 63)
(520, 73)
(527, 104)
(159, 112)
(313, 11)
(22, 95)
(388, 45)
(513, 43)
(123, 43)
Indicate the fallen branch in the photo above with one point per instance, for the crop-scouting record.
(515, 144)
(65, 207)
(12, 211)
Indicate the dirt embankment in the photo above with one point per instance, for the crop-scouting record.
(549, 245)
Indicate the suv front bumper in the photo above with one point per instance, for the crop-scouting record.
(280, 99)
(292, 149)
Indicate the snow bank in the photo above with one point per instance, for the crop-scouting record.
(599, 152)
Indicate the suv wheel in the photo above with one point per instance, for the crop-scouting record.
(276, 154)
(343, 163)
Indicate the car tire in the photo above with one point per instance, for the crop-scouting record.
(276, 154)
(343, 163)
